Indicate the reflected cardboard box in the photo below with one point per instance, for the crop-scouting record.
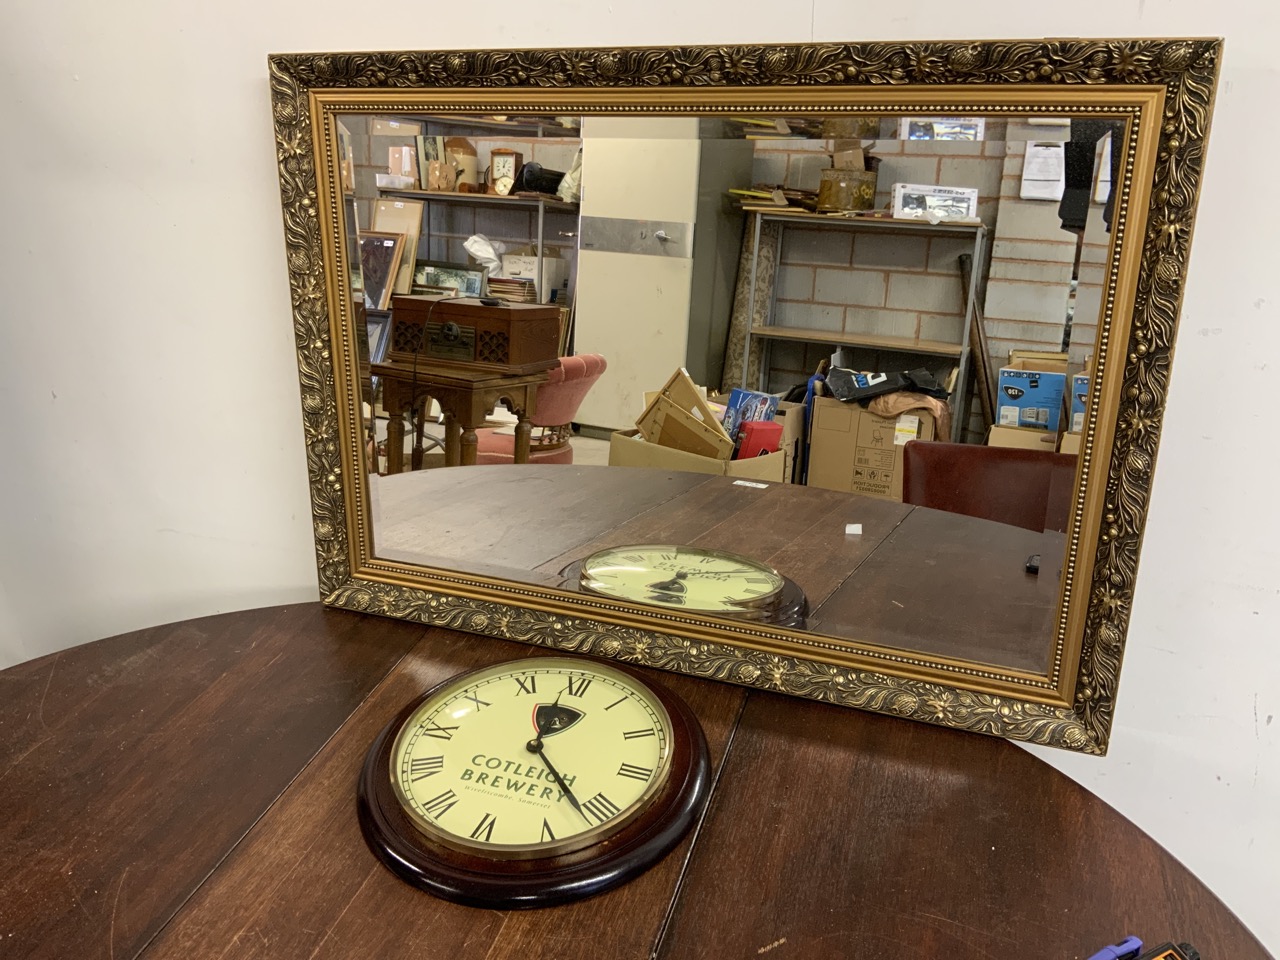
(628, 449)
(1031, 389)
(854, 450)
(553, 283)
(1079, 399)
(791, 417)
(1023, 438)
(684, 424)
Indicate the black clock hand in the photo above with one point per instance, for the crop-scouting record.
(535, 746)
(674, 585)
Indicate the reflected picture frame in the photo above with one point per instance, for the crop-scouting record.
(380, 254)
(468, 279)
(378, 326)
(942, 128)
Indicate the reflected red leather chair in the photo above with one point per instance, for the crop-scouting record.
(1024, 488)
(558, 402)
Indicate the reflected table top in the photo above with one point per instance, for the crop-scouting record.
(914, 578)
(188, 791)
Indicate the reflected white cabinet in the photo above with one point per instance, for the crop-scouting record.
(651, 304)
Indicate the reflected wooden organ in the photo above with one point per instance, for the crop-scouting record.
(467, 334)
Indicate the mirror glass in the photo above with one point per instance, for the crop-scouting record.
(751, 252)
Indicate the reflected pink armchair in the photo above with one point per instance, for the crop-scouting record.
(558, 402)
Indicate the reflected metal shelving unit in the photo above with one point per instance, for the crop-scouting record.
(542, 204)
(770, 332)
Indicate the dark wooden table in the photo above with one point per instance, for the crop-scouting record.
(188, 792)
(914, 579)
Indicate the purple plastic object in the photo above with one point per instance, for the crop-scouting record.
(1126, 949)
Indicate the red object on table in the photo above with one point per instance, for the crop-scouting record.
(758, 438)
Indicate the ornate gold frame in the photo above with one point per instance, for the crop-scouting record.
(1164, 88)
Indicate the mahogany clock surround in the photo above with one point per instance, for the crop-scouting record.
(512, 883)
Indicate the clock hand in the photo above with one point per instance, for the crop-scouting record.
(674, 585)
(535, 746)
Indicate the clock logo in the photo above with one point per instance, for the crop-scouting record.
(552, 718)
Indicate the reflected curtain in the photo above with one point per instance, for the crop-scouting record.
(739, 322)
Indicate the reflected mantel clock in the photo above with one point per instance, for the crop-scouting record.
(504, 167)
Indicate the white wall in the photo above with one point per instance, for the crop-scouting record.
(152, 458)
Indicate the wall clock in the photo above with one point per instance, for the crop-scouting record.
(694, 580)
(533, 782)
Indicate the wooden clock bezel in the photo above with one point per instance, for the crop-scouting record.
(499, 883)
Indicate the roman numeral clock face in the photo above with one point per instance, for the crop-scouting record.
(693, 579)
(533, 782)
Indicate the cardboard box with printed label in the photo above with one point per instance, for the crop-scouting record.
(1079, 398)
(1024, 438)
(628, 449)
(791, 416)
(1030, 391)
(854, 450)
(679, 416)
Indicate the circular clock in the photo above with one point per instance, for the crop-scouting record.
(502, 185)
(533, 782)
(694, 579)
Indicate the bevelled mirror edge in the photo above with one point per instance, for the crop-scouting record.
(1185, 70)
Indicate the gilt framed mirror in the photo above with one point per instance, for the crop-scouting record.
(660, 207)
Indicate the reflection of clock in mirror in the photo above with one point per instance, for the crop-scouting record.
(693, 579)
(504, 167)
(533, 782)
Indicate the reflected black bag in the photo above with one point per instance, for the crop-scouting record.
(855, 386)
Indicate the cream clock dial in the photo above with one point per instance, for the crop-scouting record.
(533, 782)
(685, 578)
(504, 166)
(542, 758)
